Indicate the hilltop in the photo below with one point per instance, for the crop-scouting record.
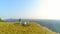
(17, 28)
(53, 25)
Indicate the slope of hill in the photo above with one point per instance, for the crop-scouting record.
(53, 25)
(16, 28)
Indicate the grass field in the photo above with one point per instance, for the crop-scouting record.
(17, 28)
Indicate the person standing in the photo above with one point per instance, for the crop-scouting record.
(19, 20)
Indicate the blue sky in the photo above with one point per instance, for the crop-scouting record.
(17, 8)
(35, 9)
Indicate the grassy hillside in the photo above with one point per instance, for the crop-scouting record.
(16, 28)
(53, 25)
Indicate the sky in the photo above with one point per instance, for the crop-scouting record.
(31, 9)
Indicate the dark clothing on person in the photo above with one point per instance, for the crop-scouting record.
(19, 20)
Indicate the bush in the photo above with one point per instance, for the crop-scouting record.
(1, 20)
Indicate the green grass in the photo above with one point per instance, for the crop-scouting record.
(17, 28)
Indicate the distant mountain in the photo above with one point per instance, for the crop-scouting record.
(54, 25)
(14, 20)
(11, 20)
